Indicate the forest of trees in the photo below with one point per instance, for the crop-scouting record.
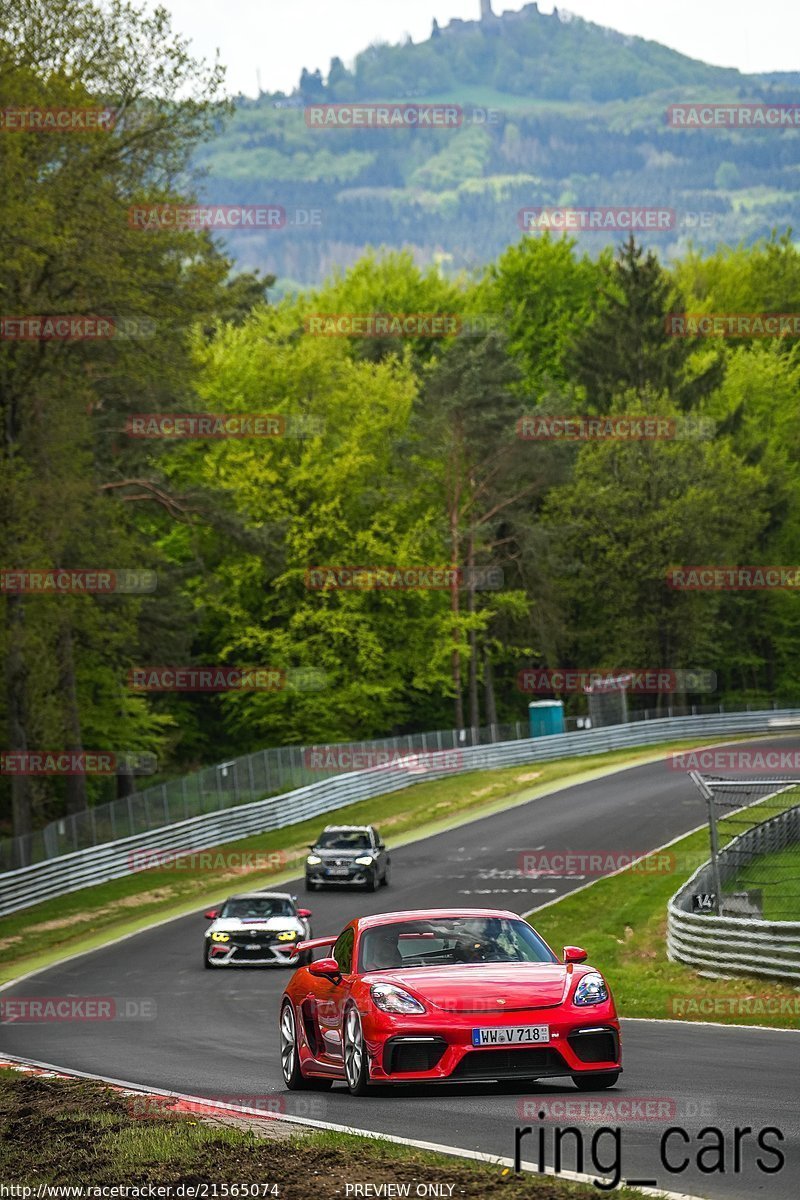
(409, 453)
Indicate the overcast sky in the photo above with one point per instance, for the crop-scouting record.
(272, 40)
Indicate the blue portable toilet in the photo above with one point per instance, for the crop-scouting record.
(546, 717)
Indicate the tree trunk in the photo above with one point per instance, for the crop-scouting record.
(474, 709)
(455, 546)
(17, 737)
(489, 701)
(76, 800)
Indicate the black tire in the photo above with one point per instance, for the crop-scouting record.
(386, 875)
(207, 957)
(356, 1069)
(293, 1077)
(373, 883)
(311, 887)
(595, 1083)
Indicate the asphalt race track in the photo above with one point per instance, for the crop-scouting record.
(214, 1032)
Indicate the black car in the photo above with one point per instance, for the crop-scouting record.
(348, 854)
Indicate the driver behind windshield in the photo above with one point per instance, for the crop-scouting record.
(256, 909)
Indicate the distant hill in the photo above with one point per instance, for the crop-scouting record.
(557, 111)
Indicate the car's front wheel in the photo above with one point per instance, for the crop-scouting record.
(293, 1077)
(356, 1068)
(387, 874)
(595, 1083)
(207, 957)
(311, 886)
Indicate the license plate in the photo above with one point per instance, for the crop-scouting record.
(338, 870)
(252, 946)
(511, 1035)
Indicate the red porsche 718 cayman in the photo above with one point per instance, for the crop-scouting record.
(441, 995)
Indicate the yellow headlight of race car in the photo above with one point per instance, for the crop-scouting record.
(288, 936)
(220, 937)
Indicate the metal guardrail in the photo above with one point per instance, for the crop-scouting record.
(98, 864)
(268, 772)
(736, 945)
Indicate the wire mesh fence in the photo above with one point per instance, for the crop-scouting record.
(755, 847)
(270, 772)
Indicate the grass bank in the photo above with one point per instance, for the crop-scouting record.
(67, 1132)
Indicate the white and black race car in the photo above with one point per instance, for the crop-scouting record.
(256, 928)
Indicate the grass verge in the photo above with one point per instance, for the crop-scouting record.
(778, 877)
(62, 1132)
(625, 919)
(40, 935)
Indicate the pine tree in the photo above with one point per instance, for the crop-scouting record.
(627, 346)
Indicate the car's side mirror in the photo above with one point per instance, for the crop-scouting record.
(211, 914)
(325, 968)
(304, 912)
(381, 845)
(575, 954)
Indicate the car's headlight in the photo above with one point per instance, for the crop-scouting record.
(393, 999)
(591, 990)
(365, 860)
(288, 935)
(220, 937)
(313, 860)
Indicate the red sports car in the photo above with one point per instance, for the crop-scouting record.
(446, 994)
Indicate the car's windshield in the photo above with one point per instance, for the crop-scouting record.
(343, 839)
(450, 941)
(258, 908)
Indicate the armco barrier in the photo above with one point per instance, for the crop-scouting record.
(58, 876)
(737, 945)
